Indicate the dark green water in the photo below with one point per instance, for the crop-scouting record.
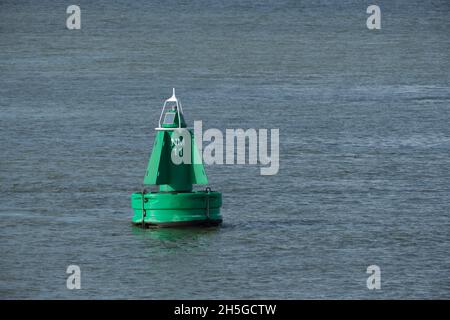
(364, 119)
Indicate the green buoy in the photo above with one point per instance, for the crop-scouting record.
(175, 203)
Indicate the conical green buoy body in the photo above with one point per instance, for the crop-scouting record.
(175, 166)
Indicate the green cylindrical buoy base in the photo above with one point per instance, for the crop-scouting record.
(177, 209)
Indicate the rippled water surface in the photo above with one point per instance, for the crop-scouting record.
(364, 125)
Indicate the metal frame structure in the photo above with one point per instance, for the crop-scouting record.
(173, 98)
